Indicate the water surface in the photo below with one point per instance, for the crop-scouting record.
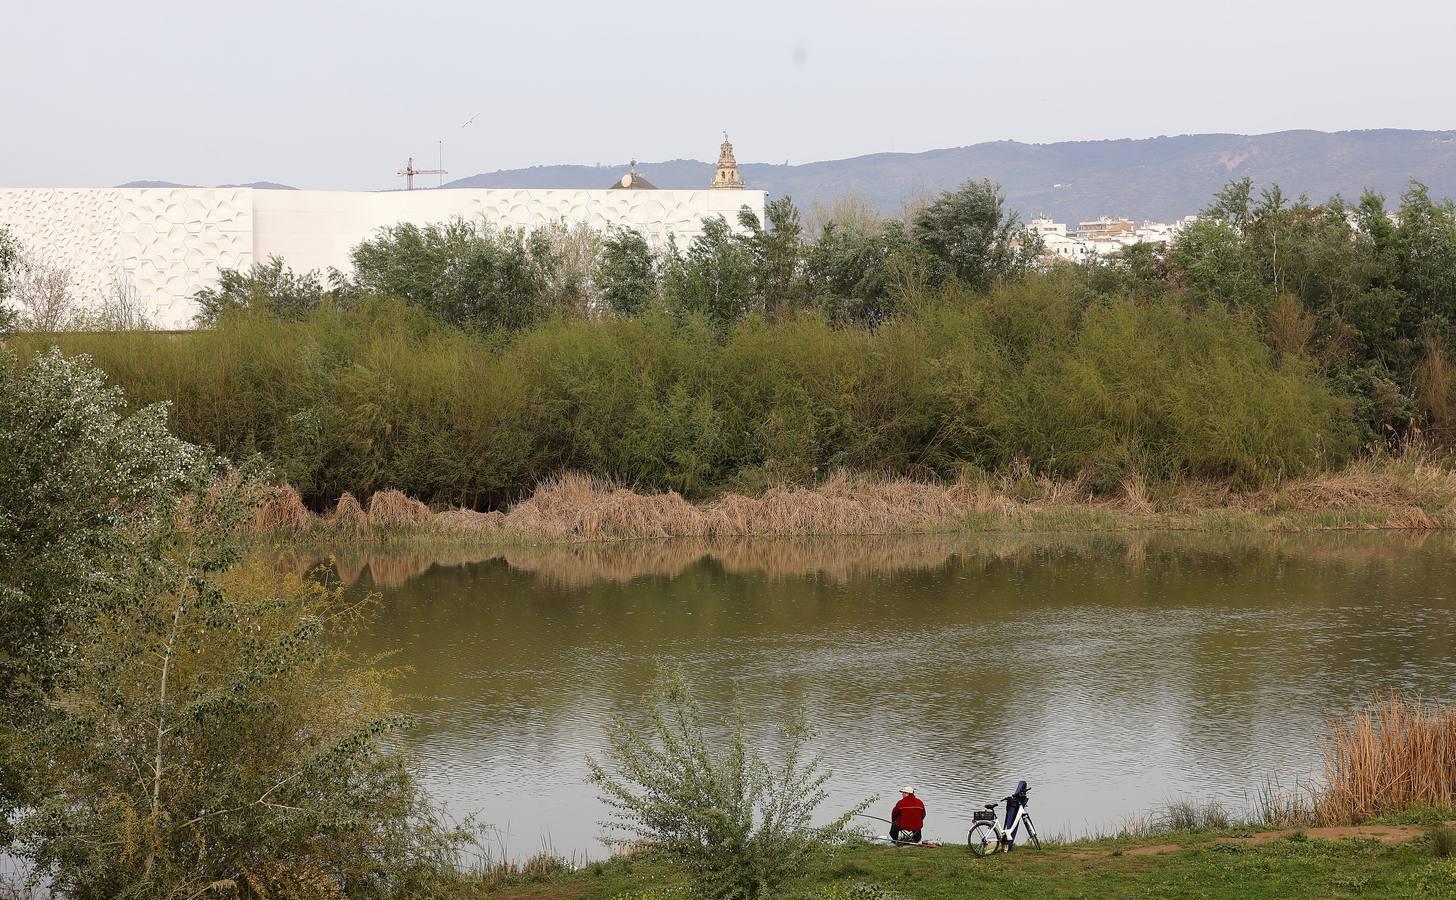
(1113, 673)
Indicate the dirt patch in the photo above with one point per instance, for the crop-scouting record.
(1385, 834)
(1151, 850)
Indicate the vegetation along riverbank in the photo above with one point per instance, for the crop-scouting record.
(1271, 343)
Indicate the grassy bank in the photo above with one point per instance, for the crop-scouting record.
(1411, 492)
(1393, 860)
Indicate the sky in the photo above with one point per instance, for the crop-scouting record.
(337, 94)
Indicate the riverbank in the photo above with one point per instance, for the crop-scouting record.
(1407, 856)
(1410, 492)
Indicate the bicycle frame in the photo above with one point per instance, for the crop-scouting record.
(1006, 837)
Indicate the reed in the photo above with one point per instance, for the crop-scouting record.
(392, 509)
(348, 517)
(1411, 493)
(283, 511)
(1397, 754)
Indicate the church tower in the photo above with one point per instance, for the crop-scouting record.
(726, 178)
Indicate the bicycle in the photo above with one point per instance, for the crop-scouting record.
(987, 836)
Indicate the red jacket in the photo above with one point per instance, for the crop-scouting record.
(909, 813)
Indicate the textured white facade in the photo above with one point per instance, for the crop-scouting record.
(167, 243)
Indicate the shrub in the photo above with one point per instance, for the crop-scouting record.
(214, 734)
(1039, 371)
(736, 822)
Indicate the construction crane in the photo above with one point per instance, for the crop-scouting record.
(409, 172)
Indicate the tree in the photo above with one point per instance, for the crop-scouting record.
(43, 292)
(84, 489)
(1211, 260)
(714, 278)
(269, 286)
(9, 257)
(626, 272)
(778, 256)
(1233, 203)
(738, 823)
(969, 234)
(851, 270)
(1425, 253)
(472, 276)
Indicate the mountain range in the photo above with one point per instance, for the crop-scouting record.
(1160, 178)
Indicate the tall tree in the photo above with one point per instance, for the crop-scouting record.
(626, 272)
(714, 277)
(778, 256)
(969, 233)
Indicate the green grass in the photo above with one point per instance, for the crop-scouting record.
(1211, 864)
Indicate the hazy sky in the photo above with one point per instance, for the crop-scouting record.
(337, 94)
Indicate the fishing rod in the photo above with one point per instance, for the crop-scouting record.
(876, 818)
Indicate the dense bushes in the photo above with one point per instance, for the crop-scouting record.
(174, 723)
(1269, 338)
(1041, 370)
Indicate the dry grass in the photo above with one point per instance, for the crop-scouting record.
(1396, 755)
(348, 517)
(1413, 492)
(283, 510)
(468, 521)
(1399, 753)
(392, 509)
(581, 508)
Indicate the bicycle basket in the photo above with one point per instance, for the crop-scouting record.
(984, 815)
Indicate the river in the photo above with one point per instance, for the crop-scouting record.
(1114, 673)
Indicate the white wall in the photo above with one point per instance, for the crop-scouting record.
(168, 243)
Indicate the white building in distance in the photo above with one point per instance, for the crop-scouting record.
(165, 244)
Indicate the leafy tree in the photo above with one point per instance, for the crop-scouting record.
(269, 286)
(626, 272)
(714, 278)
(1425, 253)
(1233, 204)
(474, 277)
(737, 822)
(778, 256)
(851, 271)
(1213, 263)
(968, 233)
(9, 260)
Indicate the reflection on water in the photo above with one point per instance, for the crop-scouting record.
(1111, 672)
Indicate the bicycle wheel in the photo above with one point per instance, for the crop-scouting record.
(1031, 832)
(982, 839)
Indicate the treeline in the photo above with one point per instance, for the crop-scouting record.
(464, 364)
(1042, 370)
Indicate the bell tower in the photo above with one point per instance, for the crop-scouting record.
(726, 178)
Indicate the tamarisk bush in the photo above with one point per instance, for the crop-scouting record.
(736, 821)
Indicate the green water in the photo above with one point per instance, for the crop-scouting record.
(1112, 673)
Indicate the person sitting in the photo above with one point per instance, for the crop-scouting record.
(907, 818)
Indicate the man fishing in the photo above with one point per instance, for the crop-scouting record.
(907, 818)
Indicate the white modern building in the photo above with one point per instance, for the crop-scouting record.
(165, 244)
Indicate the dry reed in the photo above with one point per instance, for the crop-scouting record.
(1412, 492)
(348, 517)
(1397, 754)
(392, 509)
(283, 510)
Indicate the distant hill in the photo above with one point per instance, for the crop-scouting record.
(1156, 178)
(258, 185)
